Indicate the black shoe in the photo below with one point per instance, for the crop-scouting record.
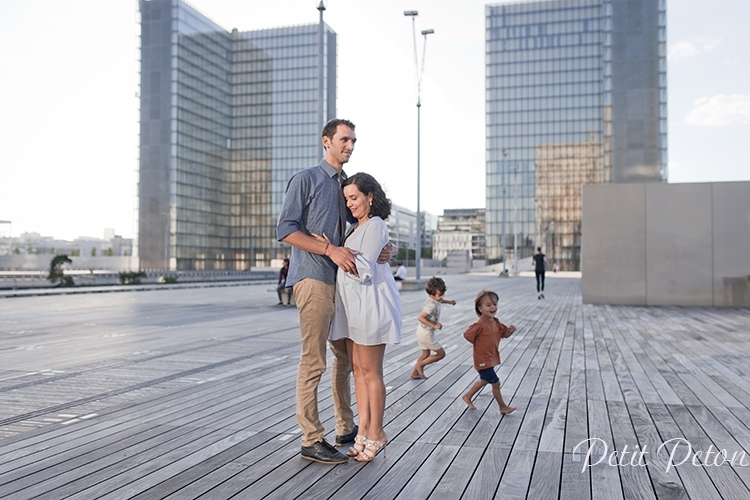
(324, 453)
(347, 438)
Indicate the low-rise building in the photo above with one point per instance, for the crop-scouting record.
(460, 229)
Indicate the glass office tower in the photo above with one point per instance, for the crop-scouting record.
(226, 118)
(575, 94)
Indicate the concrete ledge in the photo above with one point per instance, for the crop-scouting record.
(410, 285)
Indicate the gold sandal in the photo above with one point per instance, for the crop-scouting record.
(372, 448)
(359, 446)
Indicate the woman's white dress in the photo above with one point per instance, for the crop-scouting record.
(368, 307)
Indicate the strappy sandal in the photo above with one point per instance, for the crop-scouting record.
(372, 448)
(359, 446)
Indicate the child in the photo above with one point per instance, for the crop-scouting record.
(485, 334)
(428, 323)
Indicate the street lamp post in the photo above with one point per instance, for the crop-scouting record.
(515, 220)
(420, 69)
(505, 155)
(321, 118)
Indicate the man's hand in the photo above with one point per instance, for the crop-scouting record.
(344, 258)
(341, 256)
(386, 253)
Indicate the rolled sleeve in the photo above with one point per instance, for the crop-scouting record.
(364, 270)
(290, 216)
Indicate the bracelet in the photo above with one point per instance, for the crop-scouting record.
(325, 250)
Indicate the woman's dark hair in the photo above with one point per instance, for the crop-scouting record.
(435, 285)
(482, 294)
(381, 206)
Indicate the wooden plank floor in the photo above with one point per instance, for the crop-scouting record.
(187, 394)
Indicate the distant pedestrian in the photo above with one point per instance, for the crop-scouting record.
(282, 284)
(428, 323)
(540, 263)
(486, 334)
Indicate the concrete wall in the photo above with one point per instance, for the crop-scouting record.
(666, 244)
(41, 262)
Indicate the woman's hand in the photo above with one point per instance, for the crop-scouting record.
(320, 238)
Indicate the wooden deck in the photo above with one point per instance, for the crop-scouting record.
(189, 393)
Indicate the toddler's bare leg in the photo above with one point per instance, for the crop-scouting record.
(504, 409)
(418, 366)
(472, 391)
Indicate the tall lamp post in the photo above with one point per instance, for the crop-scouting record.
(505, 155)
(515, 220)
(321, 30)
(420, 69)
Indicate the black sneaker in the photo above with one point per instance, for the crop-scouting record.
(347, 438)
(324, 453)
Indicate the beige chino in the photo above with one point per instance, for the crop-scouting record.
(315, 302)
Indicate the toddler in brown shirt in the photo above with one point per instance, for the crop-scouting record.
(486, 334)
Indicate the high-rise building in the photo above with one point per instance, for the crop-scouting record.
(226, 118)
(575, 94)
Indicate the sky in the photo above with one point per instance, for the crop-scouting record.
(69, 122)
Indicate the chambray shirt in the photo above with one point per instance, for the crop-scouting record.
(313, 203)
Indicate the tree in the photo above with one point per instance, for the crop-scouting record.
(93, 251)
(56, 273)
(110, 252)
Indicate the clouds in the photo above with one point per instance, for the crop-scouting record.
(685, 49)
(719, 110)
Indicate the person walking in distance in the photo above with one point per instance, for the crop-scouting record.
(314, 204)
(540, 263)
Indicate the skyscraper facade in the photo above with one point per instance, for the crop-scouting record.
(575, 94)
(226, 118)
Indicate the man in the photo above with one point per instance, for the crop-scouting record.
(314, 203)
(400, 274)
(540, 262)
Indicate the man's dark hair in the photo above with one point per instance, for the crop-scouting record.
(539, 249)
(381, 205)
(329, 129)
(435, 285)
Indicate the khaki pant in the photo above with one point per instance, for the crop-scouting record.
(315, 302)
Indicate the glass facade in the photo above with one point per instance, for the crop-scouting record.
(575, 94)
(226, 118)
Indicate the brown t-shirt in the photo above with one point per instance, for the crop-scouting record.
(486, 334)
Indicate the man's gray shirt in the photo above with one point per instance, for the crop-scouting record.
(313, 204)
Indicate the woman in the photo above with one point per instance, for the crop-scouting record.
(368, 310)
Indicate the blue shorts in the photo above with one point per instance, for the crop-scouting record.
(488, 375)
